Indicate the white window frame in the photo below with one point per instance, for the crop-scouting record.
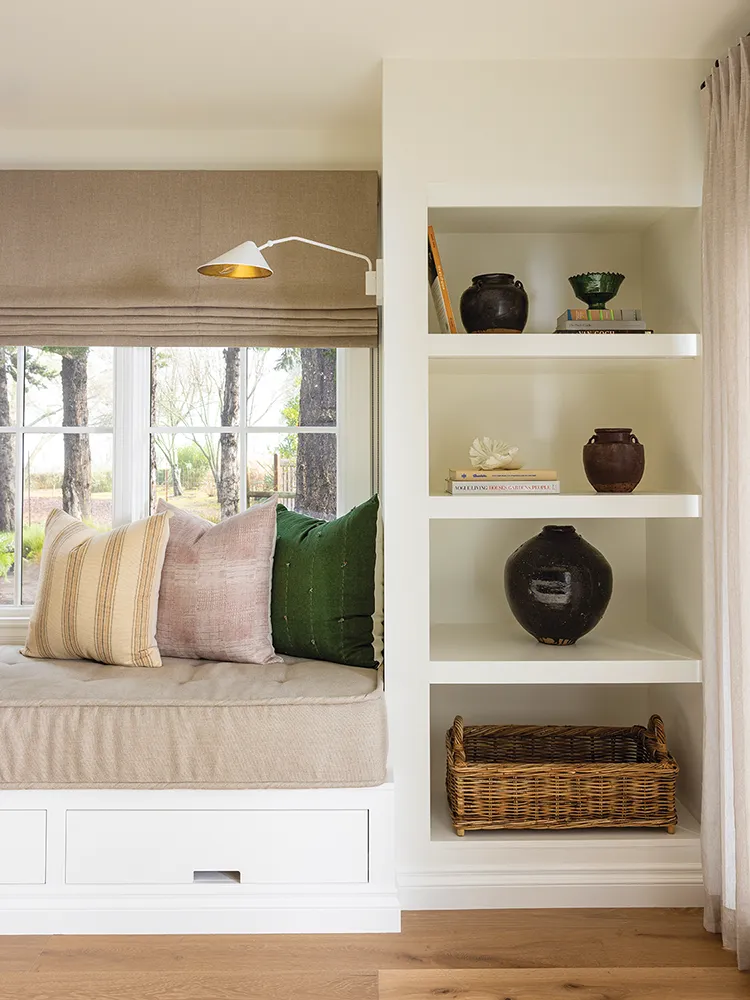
(131, 441)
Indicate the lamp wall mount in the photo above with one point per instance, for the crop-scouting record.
(247, 261)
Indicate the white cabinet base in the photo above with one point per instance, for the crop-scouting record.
(199, 862)
(22, 847)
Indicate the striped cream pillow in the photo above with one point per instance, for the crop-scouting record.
(98, 593)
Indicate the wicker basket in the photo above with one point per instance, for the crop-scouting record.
(559, 777)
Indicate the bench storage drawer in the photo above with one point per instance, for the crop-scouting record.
(171, 847)
(23, 834)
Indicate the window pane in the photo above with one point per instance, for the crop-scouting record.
(291, 386)
(72, 471)
(7, 386)
(190, 385)
(69, 387)
(198, 472)
(301, 468)
(7, 518)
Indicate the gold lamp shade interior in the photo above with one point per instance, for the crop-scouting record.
(243, 261)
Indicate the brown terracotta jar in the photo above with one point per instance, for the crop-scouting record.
(614, 460)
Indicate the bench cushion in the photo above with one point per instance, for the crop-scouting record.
(189, 724)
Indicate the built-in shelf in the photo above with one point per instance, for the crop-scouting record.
(564, 505)
(457, 208)
(687, 834)
(568, 345)
(502, 654)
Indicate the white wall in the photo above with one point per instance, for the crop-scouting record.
(145, 149)
(563, 132)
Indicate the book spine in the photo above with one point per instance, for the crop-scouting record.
(584, 314)
(487, 488)
(594, 333)
(501, 475)
(625, 325)
(447, 318)
(600, 314)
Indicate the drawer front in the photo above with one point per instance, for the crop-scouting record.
(23, 835)
(168, 847)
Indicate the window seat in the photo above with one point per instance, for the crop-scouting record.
(189, 724)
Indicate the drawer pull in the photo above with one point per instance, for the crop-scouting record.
(211, 876)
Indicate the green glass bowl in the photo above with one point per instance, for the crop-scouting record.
(596, 288)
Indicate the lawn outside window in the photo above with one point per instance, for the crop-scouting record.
(105, 433)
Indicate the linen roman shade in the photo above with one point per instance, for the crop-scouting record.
(110, 257)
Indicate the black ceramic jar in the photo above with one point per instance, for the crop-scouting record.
(494, 303)
(614, 460)
(558, 585)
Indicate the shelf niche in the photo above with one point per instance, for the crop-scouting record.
(656, 248)
(623, 705)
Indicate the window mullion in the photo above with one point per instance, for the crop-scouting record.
(130, 477)
(353, 426)
(18, 555)
(242, 443)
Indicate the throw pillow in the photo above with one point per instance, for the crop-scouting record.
(323, 604)
(215, 599)
(98, 592)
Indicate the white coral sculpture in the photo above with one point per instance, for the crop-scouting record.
(485, 453)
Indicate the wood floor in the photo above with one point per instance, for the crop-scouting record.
(456, 955)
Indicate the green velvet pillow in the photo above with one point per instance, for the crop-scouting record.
(323, 598)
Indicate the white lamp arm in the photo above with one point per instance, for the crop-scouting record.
(314, 243)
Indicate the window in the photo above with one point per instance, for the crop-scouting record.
(105, 433)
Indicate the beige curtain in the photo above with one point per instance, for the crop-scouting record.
(110, 257)
(726, 330)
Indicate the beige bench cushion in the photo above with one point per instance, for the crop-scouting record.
(189, 724)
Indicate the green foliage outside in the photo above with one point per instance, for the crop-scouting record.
(193, 464)
(290, 415)
(101, 482)
(7, 557)
(33, 539)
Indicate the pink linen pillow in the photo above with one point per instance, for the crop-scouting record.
(215, 595)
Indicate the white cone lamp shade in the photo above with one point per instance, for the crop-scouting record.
(244, 261)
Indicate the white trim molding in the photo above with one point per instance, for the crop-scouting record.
(518, 886)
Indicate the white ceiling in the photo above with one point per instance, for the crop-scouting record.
(294, 64)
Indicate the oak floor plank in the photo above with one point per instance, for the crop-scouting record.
(439, 939)
(187, 986)
(562, 984)
(20, 953)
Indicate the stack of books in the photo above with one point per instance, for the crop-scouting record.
(601, 321)
(481, 482)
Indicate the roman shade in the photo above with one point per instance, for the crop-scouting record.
(110, 257)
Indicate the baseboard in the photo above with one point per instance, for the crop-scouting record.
(212, 915)
(675, 885)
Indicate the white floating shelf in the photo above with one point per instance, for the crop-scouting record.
(686, 836)
(505, 654)
(564, 505)
(567, 345)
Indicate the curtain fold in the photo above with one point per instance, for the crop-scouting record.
(725, 827)
(110, 257)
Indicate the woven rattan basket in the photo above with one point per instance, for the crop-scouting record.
(559, 777)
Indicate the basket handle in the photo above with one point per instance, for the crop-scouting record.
(457, 738)
(656, 728)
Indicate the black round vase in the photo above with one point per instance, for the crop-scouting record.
(494, 303)
(558, 586)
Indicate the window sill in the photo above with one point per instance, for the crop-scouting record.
(14, 623)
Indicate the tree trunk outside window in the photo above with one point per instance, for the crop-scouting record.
(76, 485)
(316, 453)
(228, 482)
